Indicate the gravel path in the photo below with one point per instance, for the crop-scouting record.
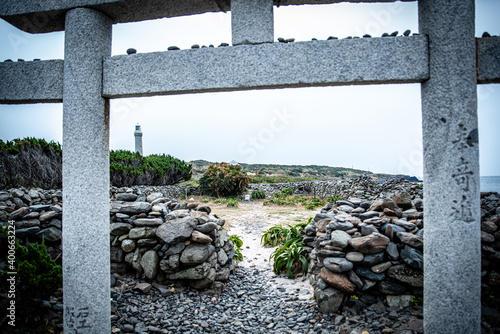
(255, 300)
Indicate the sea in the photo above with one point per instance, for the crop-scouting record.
(490, 183)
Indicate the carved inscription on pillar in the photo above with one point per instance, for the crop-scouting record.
(462, 207)
(77, 319)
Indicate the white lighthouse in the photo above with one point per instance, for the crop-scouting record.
(138, 138)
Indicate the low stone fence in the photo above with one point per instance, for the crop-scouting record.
(153, 236)
(374, 247)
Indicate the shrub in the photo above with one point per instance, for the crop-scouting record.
(258, 194)
(232, 203)
(38, 277)
(30, 162)
(129, 168)
(237, 244)
(333, 198)
(290, 257)
(224, 180)
(315, 202)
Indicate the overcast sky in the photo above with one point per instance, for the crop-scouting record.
(377, 128)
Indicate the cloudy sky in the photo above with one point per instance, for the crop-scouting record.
(377, 128)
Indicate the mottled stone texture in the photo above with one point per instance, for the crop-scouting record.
(451, 170)
(252, 21)
(488, 53)
(263, 66)
(31, 81)
(48, 15)
(86, 258)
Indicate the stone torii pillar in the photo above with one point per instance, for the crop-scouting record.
(452, 250)
(86, 254)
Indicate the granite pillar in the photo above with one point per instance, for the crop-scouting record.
(452, 257)
(252, 21)
(86, 253)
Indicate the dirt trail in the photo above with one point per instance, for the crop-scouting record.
(248, 221)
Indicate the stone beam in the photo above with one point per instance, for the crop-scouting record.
(488, 60)
(31, 82)
(276, 65)
(48, 15)
(452, 251)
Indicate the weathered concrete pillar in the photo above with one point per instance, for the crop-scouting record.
(452, 257)
(252, 21)
(86, 254)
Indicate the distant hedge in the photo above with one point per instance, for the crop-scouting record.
(127, 169)
(32, 162)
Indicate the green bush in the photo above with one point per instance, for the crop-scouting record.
(290, 257)
(30, 162)
(333, 198)
(131, 168)
(223, 180)
(237, 244)
(315, 202)
(38, 277)
(232, 203)
(258, 194)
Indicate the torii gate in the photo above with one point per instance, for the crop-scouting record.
(445, 58)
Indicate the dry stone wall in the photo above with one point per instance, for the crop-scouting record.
(366, 248)
(154, 236)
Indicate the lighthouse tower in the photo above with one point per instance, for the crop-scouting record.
(138, 138)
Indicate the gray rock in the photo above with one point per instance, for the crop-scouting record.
(355, 256)
(355, 279)
(340, 238)
(116, 254)
(406, 274)
(21, 224)
(413, 257)
(196, 253)
(398, 301)
(405, 224)
(51, 234)
(27, 232)
(128, 245)
(150, 242)
(148, 222)
(337, 264)
(118, 229)
(177, 230)
(126, 197)
(222, 257)
(380, 268)
(142, 233)
(19, 213)
(345, 208)
(348, 203)
(5, 196)
(205, 282)
(367, 229)
(206, 228)
(411, 239)
(39, 207)
(154, 196)
(130, 207)
(371, 260)
(391, 287)
(328, 300)
(223, 274)
(175, 249)
(198, 272)
(367, 273)
(340, 225)
(17, 193)
(149, 263)
(368, 215)
(392, 251)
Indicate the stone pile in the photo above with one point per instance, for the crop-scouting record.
(37, 213)
(374, 247)
(161, 238)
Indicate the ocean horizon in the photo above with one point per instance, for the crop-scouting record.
(490, 183)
